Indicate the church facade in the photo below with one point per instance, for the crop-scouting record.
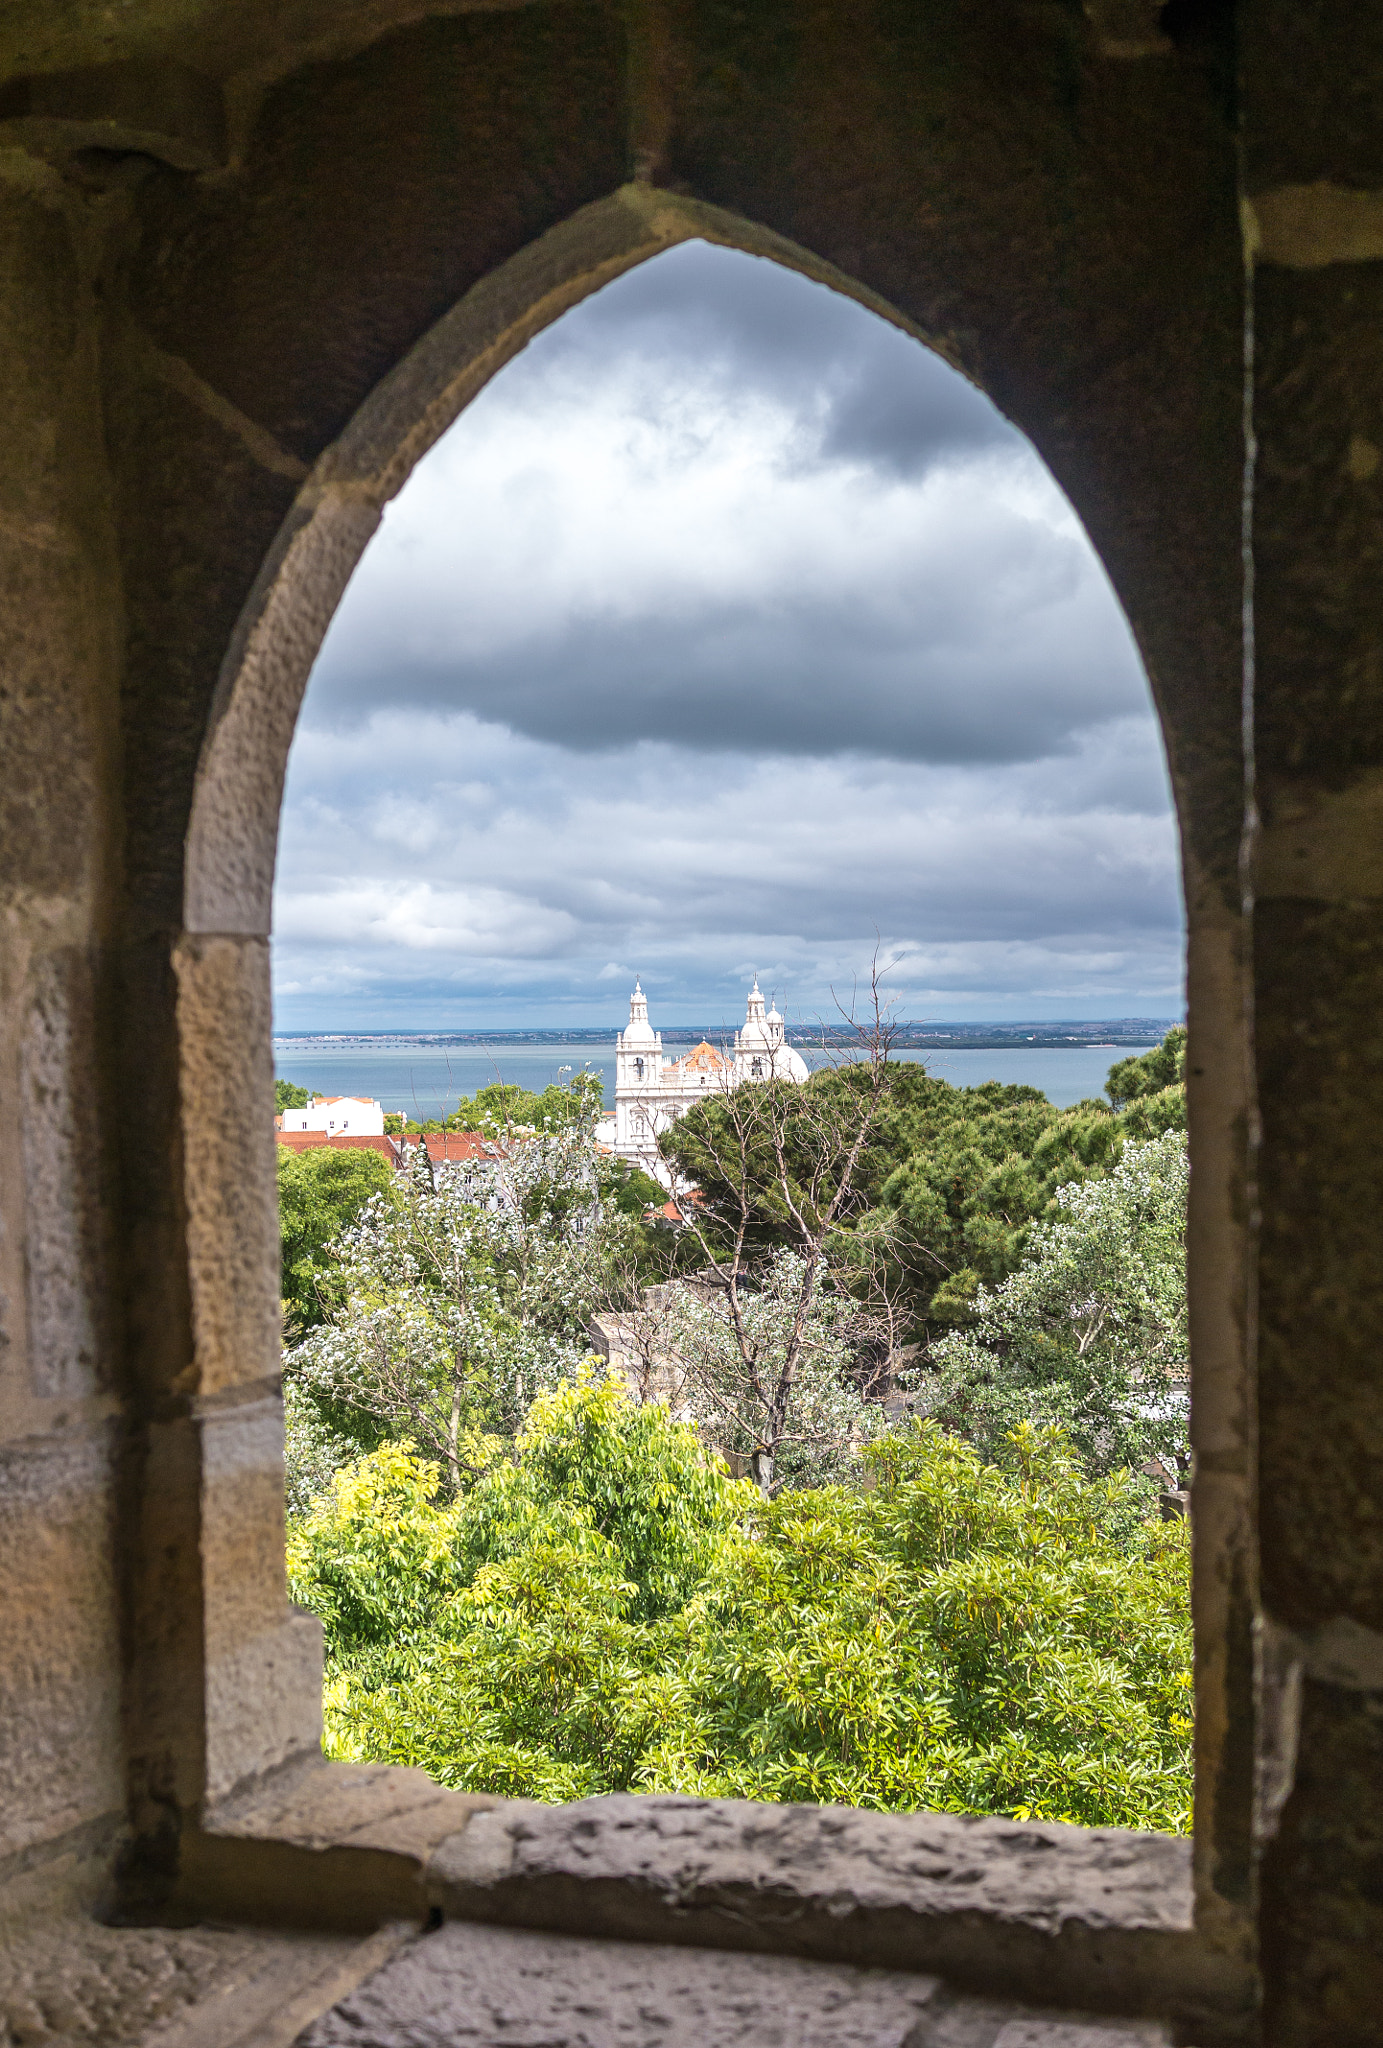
(652, 1090)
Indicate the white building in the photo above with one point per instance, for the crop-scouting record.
(652, 1090)
(336, 1114)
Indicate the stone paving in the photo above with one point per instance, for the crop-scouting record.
(73, 1983)
(490, 1987)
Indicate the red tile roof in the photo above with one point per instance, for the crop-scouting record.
(344, 1141)
(702, 1058)
(444, 1148)
(456, 1147)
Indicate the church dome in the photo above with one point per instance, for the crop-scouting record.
(761, 1049)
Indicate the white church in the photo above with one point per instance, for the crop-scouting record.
(652, 1091)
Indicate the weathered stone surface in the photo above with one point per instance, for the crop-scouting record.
(227, 1086)
(378, 1806)
(472, 1987)
(1045, 2032)
(1076, 204)
(73, 1983)
(60, 1751)
(323, 1844)
(1097, 1917)
(63, 1174)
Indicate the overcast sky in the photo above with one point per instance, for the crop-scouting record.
(727, 627)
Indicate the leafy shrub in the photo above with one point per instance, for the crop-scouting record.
(609, 1610)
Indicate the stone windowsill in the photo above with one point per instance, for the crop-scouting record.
(1099, 1919)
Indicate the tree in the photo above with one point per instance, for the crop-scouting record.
(456, 1303)
(781, 1343)
(288, 1095)
(502, 1107)
(649, 1249)
(607, 1610)
(1148, 1073)
(802, 1133)
(1001, 1638)
(321, 1192)
(953, 1178)
(1149, 1090)
(771, 1369)
(511, 1635)
(981, 1166)
(1090, 1331)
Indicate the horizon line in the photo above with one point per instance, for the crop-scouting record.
(600, 1028)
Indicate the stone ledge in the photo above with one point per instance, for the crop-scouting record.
(67, 1981)
(471, 1987)
(321, 1844)
(1095, 1918)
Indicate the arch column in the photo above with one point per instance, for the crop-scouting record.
(1314, 225)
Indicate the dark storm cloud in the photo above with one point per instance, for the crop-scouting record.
(723, 507)
(881, 397)
(815, 680)
(516, 867)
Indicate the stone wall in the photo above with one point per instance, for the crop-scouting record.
(255, 259)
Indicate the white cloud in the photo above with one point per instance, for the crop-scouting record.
(577, 870)
(718, 634)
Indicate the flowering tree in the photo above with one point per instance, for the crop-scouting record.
(458, 1303)
(1090, 1331)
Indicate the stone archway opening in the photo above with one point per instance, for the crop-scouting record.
(621, 707)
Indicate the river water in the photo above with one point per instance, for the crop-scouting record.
(424, 1080)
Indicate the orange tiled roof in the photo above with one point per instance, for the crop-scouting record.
(342, 1141)
(702, 1058)
(454, 1147)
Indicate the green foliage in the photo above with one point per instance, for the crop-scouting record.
(502, 1106)
(513, 1636)
(629, 1188)
(982, 1165)
(954, 1179)
(1149, 1091)
(288, 1095)
(610, 1611)
(1148, 1073)
(321, 1192)
(1090, 1330)
(965, 1637)
(651, 1246)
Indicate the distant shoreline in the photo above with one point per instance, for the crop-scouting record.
(1047, 1035)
